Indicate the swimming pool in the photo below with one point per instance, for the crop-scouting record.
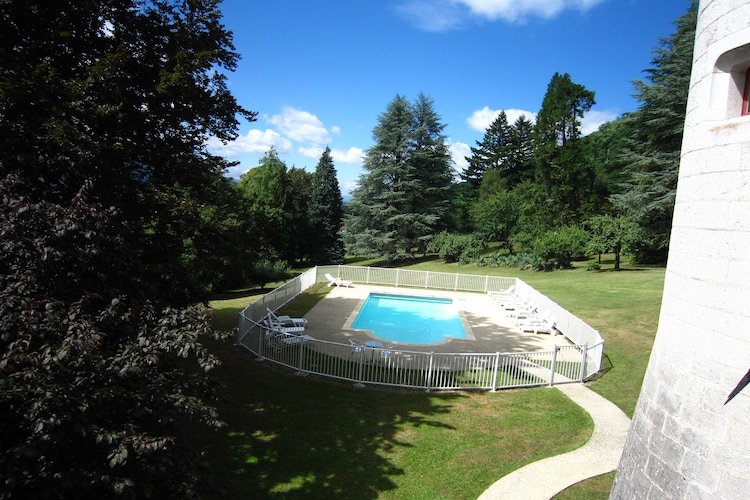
(409, 319)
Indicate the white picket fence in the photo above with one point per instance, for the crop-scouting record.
(425, 370)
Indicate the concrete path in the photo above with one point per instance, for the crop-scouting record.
(601, 454)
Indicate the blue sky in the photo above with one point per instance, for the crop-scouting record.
(319, 73)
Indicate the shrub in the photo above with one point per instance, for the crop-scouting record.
(562, 245)
(451, 247)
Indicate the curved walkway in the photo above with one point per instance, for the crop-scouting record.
(601, 454)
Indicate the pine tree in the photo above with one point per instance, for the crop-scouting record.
(505, 148)
(402, 199)
(432, 172)
(491, 153)
(326, 214)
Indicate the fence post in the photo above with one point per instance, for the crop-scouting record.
(429, 373)
(552, 368)
(494, 375)
(359, 383)
(398, 272)
(583, 360)
(301, 354)
(427, 279)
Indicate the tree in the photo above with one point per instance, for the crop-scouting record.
(611, 234)
(106, 189)
(402, 199)
(496, 217)
(432, 174)
(491, 153)
(561, 168)
(654, 153)
(562, 244)
(326, 214)
(95, 379)
(266, 190)
(124, 94)
(506, 149)
(298, 227)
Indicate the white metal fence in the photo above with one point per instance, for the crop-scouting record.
(427, 370)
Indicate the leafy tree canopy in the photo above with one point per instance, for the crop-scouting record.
(125, 94)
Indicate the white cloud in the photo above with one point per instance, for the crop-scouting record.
(256, 141)
(443, 15)
(483, 118)
(518, 10)
(300, 126)
(433, 15)
(351, 155)
(592, 120)
(459, 151)
(336, 130)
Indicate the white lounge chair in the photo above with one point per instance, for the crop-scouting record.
(337, 281)
(505, 294)
(268, 324)
(522, 311)
(284, 320)
(282, 340)
(543, 324)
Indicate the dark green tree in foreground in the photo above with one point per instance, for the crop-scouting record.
(326, 214)
(124, 94)
(402, 199)
(96, 381)
(106, 189)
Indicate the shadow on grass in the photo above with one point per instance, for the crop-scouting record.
(298, 437)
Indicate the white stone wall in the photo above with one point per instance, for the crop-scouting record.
(684, 442)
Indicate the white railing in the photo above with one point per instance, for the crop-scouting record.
(427, 370)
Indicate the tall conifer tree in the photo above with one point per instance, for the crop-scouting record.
(402, 199)
(326, 214)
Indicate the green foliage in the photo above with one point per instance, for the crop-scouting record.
(496, 218)
(125, 95)
(562, 169)
(521, 261)
(653, 154)
(325, 245)
(264, 271)
(562, 244)
(96, 380)
(277, 208)
(506, 149)
(450, 247)
(402, 199)
(612, 234)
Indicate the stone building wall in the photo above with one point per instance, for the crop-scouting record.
(684, 441)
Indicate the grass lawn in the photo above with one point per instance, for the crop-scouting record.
(291, 436)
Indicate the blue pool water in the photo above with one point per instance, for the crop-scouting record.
(409, 320)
